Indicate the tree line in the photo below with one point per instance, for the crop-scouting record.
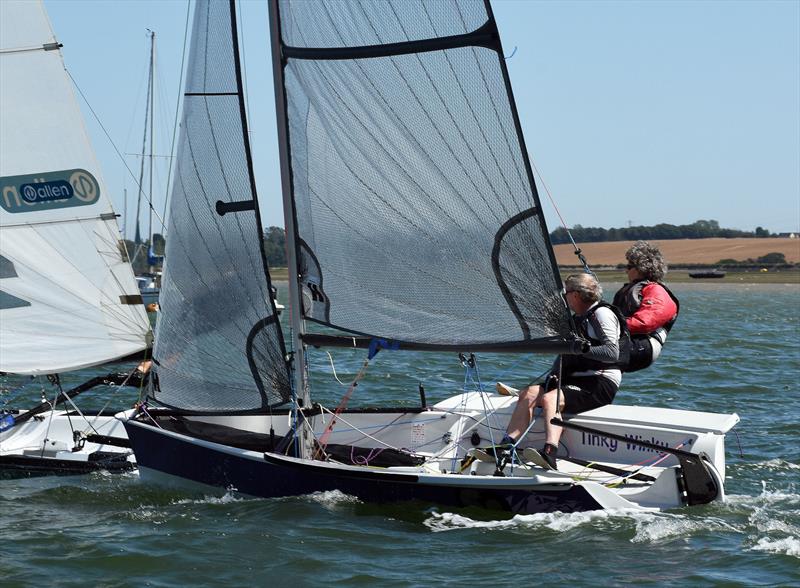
(275, 240)
(274, 249)
(701, 229)
(138, 254)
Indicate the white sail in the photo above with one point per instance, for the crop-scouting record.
(68, 298)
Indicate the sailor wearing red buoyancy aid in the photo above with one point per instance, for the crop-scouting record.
(648, 305)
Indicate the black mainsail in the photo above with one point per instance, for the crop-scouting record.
(416, 214)
(218, 333)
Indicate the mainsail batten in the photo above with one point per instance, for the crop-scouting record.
(219, 346)
(406, 159)
(486, 36)
(66, 287)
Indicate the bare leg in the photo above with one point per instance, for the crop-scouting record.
(548, 403)
(523, 412)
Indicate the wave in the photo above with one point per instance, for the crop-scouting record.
(786, 546)
(775, 464)
(229, 497)
(331, 499)
(666, 526)
(556, 521)
(767, 497)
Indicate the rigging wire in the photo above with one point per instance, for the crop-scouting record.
(323, 440)
(110, 140)
(52, 412)
(578, 251)
(177, 108)
(116, 388)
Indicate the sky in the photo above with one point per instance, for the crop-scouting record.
(634, 112)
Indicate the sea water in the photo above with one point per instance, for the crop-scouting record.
(735, 348)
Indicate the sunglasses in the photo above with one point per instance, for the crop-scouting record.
(631, 266)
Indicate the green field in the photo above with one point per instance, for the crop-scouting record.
(731, 277)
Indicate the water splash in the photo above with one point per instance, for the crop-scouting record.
(787, 546)
(662, 527)
(332, 499)
(229, 497)
(559, 522)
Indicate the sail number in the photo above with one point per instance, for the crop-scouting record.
(49, 190)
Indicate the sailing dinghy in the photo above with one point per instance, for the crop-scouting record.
(413, 224)
(68, 299)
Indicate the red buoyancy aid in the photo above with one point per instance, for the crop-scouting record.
(651, 311)
(648, 306)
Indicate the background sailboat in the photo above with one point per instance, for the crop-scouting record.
(68, 299)
(149, 281)
(413, 223)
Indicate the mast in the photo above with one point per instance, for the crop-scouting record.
(124, 214)
(151, 84)
(526, 160)
(148, 114)
(290, 216)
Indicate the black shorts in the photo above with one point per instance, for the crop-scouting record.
(583, 393)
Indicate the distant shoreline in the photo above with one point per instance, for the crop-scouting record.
(677, 276)
(280, 274)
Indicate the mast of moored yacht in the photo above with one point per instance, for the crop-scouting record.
(152, 147)
(148, 124)
(290, 220)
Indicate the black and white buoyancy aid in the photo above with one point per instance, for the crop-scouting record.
(579, 362)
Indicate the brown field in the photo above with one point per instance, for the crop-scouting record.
(677, 252)
(684, 251)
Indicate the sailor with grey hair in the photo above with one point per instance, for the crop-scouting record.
(647, 260)
(648, 305)
(586, 286)
(577, 382)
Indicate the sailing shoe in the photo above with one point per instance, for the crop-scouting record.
(504, 390)
(504, 447)
(544, 458)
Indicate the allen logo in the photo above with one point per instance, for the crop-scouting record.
(48, 191)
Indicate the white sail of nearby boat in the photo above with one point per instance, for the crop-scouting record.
(67, 294)
(68, 298)
(413, 223)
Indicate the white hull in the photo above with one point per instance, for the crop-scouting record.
(54, 442)
(442, 439)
